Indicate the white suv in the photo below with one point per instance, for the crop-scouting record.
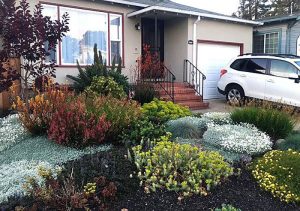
(269, 77)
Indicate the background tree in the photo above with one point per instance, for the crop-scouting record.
(284, 7)
(24, 35)
(253, 9)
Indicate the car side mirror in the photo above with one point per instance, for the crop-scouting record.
(297, 80)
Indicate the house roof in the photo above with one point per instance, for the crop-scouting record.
(173, 7)
(281, 18)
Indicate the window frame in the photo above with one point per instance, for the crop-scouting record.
(264, 34)
(109, 13)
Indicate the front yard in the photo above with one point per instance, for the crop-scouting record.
(156, 157)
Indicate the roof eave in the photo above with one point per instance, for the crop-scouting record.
(219, 17)
(127, 3)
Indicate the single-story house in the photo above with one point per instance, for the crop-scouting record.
(194, 44)
(278, 35)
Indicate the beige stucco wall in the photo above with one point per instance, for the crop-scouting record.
(176, 47)
(179, 31)
(132, 37)
(226, 32)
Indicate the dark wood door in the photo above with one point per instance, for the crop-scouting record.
(148, 35)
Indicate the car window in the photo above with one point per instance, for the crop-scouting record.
(256, 66)
(239, 64)
(298, 63)
(282, 68)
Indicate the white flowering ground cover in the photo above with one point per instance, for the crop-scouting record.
(42, 149)
(14, 175)
(21, 155)
(11, 132)
(240, 139)
(219, 118)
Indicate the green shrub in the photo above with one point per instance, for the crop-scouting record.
(187, 128)
(121, 113)
(144, 93)
(180, 168)
(227, 207)
(162, 111)
(104, 86)
(279, 173)
(97, 69)
(275, 123)
(142, 132)
(291, 142)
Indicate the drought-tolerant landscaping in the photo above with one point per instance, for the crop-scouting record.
(91, 147)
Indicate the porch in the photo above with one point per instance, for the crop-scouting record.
(167, 34)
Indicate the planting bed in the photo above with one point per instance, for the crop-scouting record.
(241, 191)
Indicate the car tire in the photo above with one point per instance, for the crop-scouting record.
(235, 95)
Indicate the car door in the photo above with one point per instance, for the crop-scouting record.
(282, 83)
(254, 75)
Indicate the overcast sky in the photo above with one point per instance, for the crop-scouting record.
(221, 6)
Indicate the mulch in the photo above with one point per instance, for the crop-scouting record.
(240, 191)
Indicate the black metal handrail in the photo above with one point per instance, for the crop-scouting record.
(193, 76)
(164, 78)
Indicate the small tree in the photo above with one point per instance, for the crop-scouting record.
(24, 35)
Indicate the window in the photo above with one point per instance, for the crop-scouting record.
(259, 44)
(239, 64)
(283, 69)
(256, 66)
(266, 43)
(298, 63)
(115, 37)
(51, 11)
(87, 28)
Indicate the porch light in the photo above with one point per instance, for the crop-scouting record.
(138, 26)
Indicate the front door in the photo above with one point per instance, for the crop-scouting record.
(148, 36)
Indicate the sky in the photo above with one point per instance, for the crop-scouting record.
(221, 6)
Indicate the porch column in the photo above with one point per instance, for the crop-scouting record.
(155, 33)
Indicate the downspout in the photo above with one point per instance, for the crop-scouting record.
(195, 40)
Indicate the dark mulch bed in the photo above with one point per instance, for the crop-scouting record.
(242, 191)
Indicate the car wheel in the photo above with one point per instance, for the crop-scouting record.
(235, 95)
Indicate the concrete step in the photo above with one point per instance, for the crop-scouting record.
(179, 90)
(191, 97)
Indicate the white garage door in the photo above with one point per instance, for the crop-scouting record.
(212, 57)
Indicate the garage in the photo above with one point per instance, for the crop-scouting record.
(212, 56)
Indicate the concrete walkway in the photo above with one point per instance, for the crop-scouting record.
(218, 105)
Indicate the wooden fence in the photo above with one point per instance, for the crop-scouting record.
(5, 103)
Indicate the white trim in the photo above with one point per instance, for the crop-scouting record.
(127, 2)
(220, 17)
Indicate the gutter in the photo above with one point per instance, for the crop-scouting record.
(186, 12)
(195, 41)
(127, 3)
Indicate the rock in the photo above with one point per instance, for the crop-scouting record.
(279, 141)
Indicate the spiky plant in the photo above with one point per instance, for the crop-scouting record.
(98, 68)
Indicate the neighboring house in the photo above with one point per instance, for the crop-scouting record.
(177, 32)
(278, 35)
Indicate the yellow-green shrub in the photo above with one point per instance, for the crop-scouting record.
(162, 111)
(180, 168)
(279, 173)
(104, 86)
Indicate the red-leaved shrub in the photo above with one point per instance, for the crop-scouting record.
(71, 125)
